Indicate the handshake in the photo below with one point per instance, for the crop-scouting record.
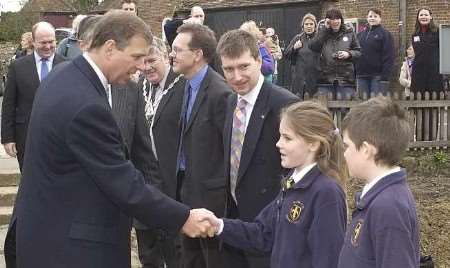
(201, 223)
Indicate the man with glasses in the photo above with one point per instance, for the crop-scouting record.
(200, 165)
(163, 93)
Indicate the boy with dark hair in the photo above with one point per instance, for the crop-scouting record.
(384, 231)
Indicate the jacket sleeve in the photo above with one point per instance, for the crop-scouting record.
(9, 105)
(267, 66)
(290, 53)
(388, 56)
(94, 139)
(326, 235)
(355, 48)
(257, 235)
(317, 43)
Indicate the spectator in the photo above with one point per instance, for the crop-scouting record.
(374, 67)
(273, 43)
(267, 66)
(26, 46)
(304, 62)
(69, 47)
(339, 48)
(130, 6)
(425, 74)
(197, 14)
(406, 70)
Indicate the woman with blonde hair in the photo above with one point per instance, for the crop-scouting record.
(267, 67)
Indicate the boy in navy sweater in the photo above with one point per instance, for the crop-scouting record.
(384, 231)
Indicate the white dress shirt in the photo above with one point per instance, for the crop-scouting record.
(101, 76)
(250, 98)
(38, 60)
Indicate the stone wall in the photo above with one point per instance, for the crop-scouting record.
(6, 52)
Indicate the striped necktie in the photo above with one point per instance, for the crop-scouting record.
(237, 141)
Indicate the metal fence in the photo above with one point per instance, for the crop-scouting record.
(429, 116)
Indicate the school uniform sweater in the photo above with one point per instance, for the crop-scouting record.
(384, 231)
(303, 227)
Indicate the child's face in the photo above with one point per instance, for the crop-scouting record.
(353, 157)
(295, 151)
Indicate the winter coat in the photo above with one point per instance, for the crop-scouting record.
(304, 64)
(377, 53)
(327, 43)
(425, 73)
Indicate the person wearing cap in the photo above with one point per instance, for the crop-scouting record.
(339, 49)
(304, 62)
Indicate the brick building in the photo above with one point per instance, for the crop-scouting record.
(59, 13)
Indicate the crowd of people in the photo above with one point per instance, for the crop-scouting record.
(120, 129)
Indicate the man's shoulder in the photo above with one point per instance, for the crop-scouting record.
(22, 61)
(279, 95)
(216, 82)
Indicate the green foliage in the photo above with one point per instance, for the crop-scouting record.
(12, 25)
(440, 159)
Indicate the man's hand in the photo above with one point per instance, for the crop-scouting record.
(200, 223)
(10, 149)
(343, 55)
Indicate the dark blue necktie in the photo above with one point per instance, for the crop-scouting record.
(44, 68)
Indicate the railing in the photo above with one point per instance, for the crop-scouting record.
(429, 116)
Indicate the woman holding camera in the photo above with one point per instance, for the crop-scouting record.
(339, 48)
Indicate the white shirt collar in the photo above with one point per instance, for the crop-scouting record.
(299, 174)
(252, 95)
(97, 70)
(369, 185)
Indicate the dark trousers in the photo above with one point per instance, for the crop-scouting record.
(244, 259)
(158, 249)
(205, 253)
(10, 247)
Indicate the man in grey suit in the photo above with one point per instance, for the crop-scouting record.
(24, 77)
(200, 167)
(253, 165)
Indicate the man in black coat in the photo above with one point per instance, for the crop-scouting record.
(252, 166)
(79, 191)
(200, 165)
(24, 77)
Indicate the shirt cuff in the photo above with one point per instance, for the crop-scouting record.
(220, 229)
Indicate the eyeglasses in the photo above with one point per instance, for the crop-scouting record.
(175, 50)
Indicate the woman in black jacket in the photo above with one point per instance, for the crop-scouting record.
(304, 62)
(425, 74)
(339, 48)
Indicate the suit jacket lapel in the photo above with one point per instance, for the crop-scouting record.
(82, 64)
(198, 100)
(170, 77)
(34, 72)
(254, 128)
(228, 128)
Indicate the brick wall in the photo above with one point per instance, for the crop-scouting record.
(154, 11)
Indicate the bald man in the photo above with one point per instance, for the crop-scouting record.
(198, 14)
(24, 77)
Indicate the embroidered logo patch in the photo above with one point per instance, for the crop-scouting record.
(357, 232)
(295, 211)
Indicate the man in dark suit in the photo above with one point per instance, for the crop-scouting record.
(252, 161)
(24, 77)
(78, 190)
(201, 180)
(163, 92)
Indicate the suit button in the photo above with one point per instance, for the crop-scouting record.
(263, 190)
